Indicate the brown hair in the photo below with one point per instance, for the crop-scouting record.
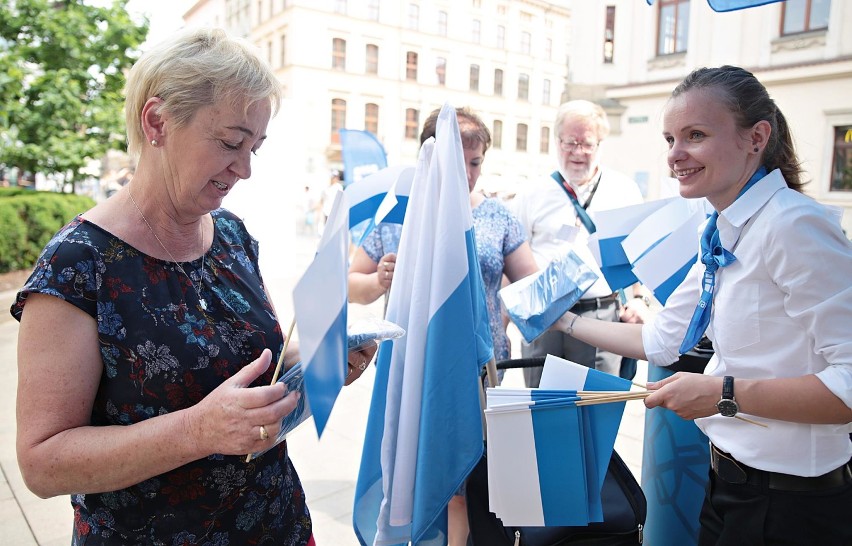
(473, 130)
(749, 101)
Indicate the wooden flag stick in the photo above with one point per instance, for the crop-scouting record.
(753, 422)
(613, 398)
(280, 363)
(284, 350)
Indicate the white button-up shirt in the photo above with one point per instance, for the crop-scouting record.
(782, 309)
(544, 209)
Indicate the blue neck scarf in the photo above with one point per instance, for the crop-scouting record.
(713, 256)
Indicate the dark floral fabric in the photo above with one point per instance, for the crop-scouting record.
(498, 233)
(163, 352)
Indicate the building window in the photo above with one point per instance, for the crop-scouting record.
(498, 82)
(442, 23)
(526, 40)
(371, 118)
(545, 92)
(804, 15)
(340, 6)
(411, 66)
(497, 134)
(673, 27)
(441, 70)
(544, 142)
(282, 45)
(338, 118)
(371, 63)
(477, 3)
(373, 10)
(475, 31)
(413, 16)
(523, 87)
(521, 138)
(548, 49)
(841, 164)
(412, 122)
(474, 77)
(338, 54)
(609, 34)
(501, 37)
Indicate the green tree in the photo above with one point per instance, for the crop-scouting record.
(62, 66)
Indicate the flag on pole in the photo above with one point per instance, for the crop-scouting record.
(319, 302)
(424, 429)
(362, 154)
(380, 197)
(732, 5)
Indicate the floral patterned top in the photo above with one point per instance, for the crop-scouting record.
(498, 233)
(162, 351)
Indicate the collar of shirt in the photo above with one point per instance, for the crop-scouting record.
(734, 218)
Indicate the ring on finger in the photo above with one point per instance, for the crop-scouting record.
(363, 365)
(263, 434)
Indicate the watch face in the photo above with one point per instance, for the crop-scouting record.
(727, 407)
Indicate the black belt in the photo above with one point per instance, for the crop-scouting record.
(593, 304)
(732, 471)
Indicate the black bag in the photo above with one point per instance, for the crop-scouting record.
(624, 506)
(624, 509)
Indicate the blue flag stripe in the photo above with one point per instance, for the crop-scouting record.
(323, 379)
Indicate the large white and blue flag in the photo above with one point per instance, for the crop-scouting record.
(319, 302)
(732, 5)
(379, 197)
(424, 430)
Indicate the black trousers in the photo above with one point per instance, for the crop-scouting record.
(744, 515)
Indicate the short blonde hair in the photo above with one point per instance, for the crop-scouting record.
(194, 69)
(585, 111)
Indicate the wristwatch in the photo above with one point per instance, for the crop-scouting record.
(727, 406)
(645, 299)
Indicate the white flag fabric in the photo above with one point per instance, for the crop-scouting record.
(319, 302)
(424, 430)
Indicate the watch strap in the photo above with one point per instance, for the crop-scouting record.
(728, 387)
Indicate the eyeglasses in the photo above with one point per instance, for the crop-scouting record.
(584, 147)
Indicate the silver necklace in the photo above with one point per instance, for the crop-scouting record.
(201, 300)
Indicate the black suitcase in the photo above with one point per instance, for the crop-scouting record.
(624, 507)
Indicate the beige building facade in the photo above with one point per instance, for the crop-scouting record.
(384, 65)
(800, 49)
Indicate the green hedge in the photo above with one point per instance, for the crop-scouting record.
(28, 219)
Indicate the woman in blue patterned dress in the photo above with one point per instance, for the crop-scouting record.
(146, 332)
(500, 245)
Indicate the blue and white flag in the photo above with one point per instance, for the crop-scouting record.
(380, 197)
(537, 473)
(732, 5)
(319, 302)
(604, 419)
(362, 154)
(424, 430)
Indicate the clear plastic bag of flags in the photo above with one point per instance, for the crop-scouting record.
(360, 334)
(536, 302)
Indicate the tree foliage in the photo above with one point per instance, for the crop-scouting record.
(62, 66)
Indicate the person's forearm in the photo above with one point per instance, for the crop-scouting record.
(797, 399)
(616, 337)
(97, 459)
(364, 288)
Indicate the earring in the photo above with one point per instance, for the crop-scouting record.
(154, 143)
(756, 149)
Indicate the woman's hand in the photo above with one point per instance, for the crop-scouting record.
(358, 361)
(385, 269)
(689, 395)
(229, 419)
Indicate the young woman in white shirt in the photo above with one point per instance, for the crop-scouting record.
(778, 305)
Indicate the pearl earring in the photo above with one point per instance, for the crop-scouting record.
(154, 143)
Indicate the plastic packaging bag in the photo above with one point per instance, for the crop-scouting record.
(535, 302)
(371, 330)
